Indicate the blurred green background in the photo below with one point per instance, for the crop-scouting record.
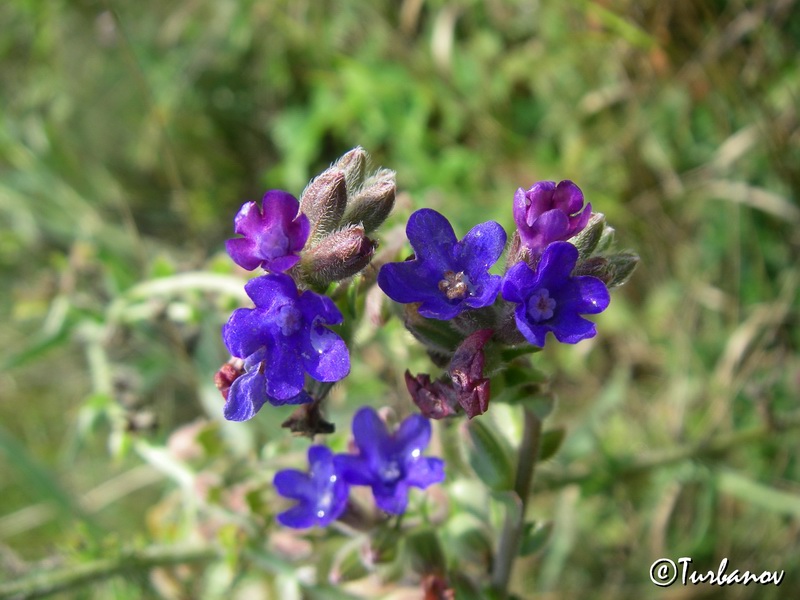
(130, 133)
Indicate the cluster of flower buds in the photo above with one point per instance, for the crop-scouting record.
(559, 267)
(304, 246)
(388, 463)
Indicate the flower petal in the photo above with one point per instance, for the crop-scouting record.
(425, 472)
(271, 290)
(284, 372)
(291, 483)
(355, 470)
(325, 356)
(568, 197)
(392, 500)
(247, 395)
(242, 251)
(569, 328)
(431, 236)
(298, 517)
(517, 283)
(534, 333)
(413, 435)
(244, 334)
(408, 281)
(370, 434)
(480, 248)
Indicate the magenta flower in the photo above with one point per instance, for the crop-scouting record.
(550, 299)
(390, 463)
(549, 213)
(281, 339)
(273, 235)
(321, 493)
(446, 276)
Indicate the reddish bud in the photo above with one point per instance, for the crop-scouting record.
(227, 374)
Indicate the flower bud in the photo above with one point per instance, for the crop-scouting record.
(353, 164)
(586, 241)
(227, 374)
(323, 202)
(622, 266)
(338, 255)
(373, 202)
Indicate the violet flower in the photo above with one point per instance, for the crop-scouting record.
(281, 339)
(550, 299)
(446, 276)
(273, 234)
(390, 463)
(321, 493)
(549, 213)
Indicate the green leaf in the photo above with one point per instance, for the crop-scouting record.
(551, 442)
(488, 456)
(535, 537)
(425, 552)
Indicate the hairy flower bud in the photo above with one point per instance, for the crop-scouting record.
(338, 255)
(373, 202)
(353, 165)
(324, 201)
(587, 240)
(622, 266)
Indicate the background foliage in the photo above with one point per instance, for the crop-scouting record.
(132, 132)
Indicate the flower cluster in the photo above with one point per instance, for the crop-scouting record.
(555, 272)
(389, 463)
(302, 244)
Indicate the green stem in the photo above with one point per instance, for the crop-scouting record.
(46, 583)
(511, 536)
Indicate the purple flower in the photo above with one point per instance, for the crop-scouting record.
(281, 339)
(549, 213)
(446, 276)
(321, 493)
(390, 463)
(550, 299)
(273, 237)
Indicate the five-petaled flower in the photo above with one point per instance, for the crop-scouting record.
(549, 213)
(281, 339)
(550, 299)
(321, 493)
(390, 463)
(273, 234)
(446, 276)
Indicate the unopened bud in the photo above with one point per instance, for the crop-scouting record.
(324, 201)
(353, 165)
(596, 266)
(517, 252)
(622, 266)
(338, 255)
(373, 202)
(586, 241)
(606, 240)
(227, 374)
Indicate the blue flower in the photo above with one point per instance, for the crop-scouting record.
(390, 463)
(549, 213)
(321, 493)
(446, 276)
(273, 237)
(281, 339)
(550, 299)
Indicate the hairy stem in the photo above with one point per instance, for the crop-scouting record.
(511, 536)
(46, 583)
